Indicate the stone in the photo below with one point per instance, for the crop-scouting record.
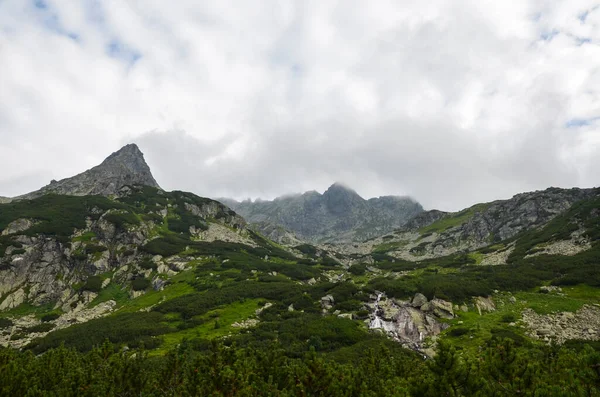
(261, 309)
(484, 304)
(419, 300)
(345, 315)
(441, 308)
(17, 226)
(327, 302)
(13, 300)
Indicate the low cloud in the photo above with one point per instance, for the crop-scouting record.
(451, 104)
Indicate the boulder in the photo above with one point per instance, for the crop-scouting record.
(419, 300)
(13, 300)
(484, 304)
(18, 226)
(441, 308)
(327, 302)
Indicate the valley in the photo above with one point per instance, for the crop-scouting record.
(155, 279)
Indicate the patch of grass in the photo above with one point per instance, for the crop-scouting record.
(454, 220)
(477, 257)
(114, 292)
(151, 298)
(224, 317)
(550, 303)
(86, 237)
(387, 247)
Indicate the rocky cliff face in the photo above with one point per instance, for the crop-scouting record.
(62, 252)
(337, 215)
(124, 167)
(435, 233)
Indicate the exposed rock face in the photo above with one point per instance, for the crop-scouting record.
(499, 220)
(423, 237)
(276, 233)
(40, 269)
(560, 327)
(484, 304)
(124, 167)
(337, 215)
(419, 300)
(20, 225)
(408, 323)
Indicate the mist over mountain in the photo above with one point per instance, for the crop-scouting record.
(338, 215)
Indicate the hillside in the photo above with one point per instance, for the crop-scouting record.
(337, 215)
(182, 296)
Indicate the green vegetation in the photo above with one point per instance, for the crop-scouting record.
(5, 323)
(140, 284)
(503, 368)
(453, 220)
(92, 284)
(132, 329)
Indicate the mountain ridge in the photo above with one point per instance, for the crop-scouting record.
(338, 214)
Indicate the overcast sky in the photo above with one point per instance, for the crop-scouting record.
(451, 102)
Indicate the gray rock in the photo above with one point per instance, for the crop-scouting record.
(338, 215)
(441, 308)
(484, 304)
(20, 225)
(419, 300)
(125, 167)
(327, 302)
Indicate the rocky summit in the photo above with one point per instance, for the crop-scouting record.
(124, 167)
(337, 215)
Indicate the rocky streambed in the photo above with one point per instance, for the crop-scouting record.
(415, 323)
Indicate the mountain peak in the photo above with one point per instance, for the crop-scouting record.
(123, 167)
(340, 199)
(129, 151)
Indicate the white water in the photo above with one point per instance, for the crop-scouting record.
(377, 322)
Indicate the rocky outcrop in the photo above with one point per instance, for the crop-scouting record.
(409, 323)
(18, 226)
(484, 304)
(560, 327)
(337, 215)
(497, 221)
(13, 300)
(122, 168)
(327, 302)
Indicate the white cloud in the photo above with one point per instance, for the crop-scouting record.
(451, 102)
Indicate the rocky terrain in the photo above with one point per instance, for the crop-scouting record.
(584, 324)
(337, 215)
(163, 267)
(432, 234)
(124, 167)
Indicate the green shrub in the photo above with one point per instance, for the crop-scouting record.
(509, 318)
(147, 264)
(140, 283)
(5, 323)
(43, 327)
(458, 331)
(50, 317)
(122, 219)
(93, 284)
(358, 269)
